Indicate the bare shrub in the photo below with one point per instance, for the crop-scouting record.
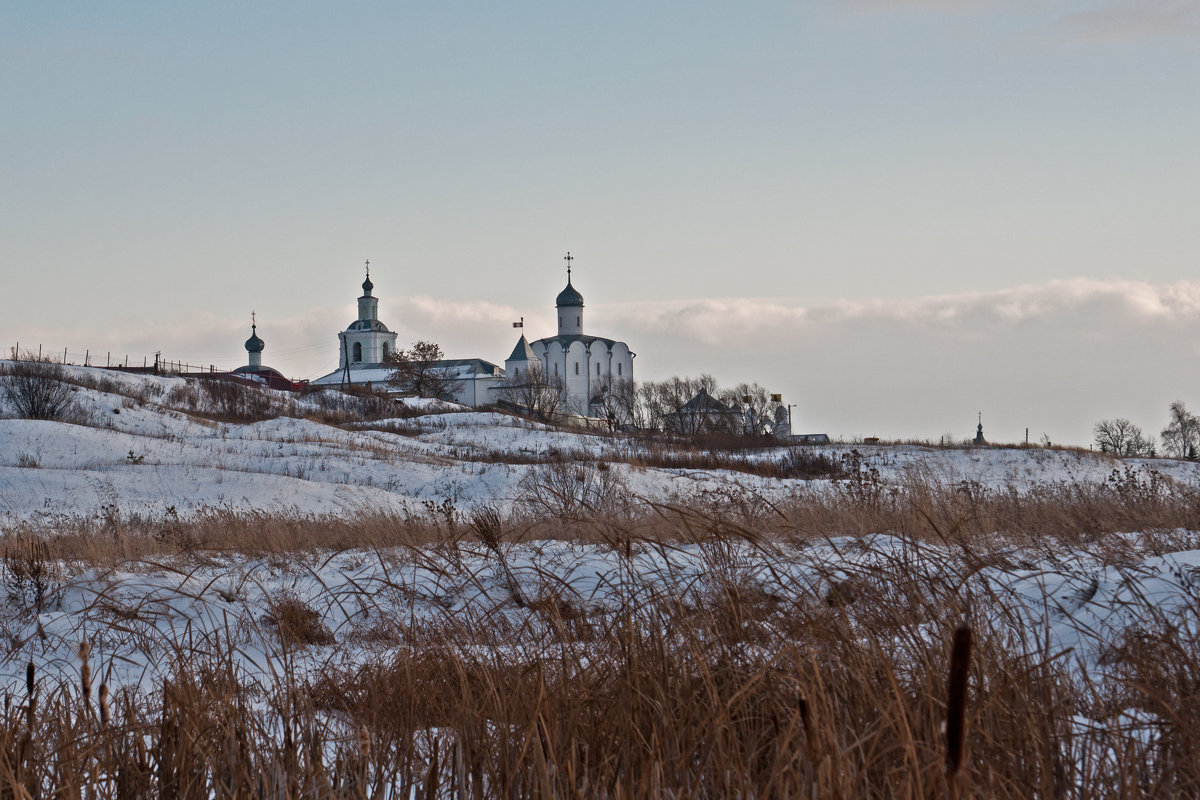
(37, 388)
(31, 578)
(233, 401)
(574, 488)
(296, 623)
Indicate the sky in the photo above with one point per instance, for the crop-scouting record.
(896, 213)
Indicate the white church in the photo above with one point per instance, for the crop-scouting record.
(588, 366)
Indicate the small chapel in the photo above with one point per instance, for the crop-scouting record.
(253, 369)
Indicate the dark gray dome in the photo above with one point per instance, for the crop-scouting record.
(254, 344)
(368, 286)
(569, 297)
(367, 325)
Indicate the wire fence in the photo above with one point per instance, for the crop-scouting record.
(155, 363)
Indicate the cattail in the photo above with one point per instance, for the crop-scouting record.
(956, 704)
(85, 671)
(104, 712)
(30, 686)
(364, 742)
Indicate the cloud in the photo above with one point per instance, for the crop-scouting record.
(1125, 20)
(707, 319)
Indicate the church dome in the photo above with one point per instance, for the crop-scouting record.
(367, 325)
(569, 296)
(368, 286)
(254, 344)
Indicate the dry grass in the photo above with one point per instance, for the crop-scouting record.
(588, 501)
(729, 689)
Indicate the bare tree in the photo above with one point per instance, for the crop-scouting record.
(614, 400)
(754, 403)
(1182, 433)
(542, 397)
(691, 406)
(1121, 438)
(37, 388)
(416, 371)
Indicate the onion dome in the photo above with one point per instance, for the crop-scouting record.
(569, 297)
(254, 344)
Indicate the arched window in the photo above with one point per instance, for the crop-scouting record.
(619, 365)
(385, 351)
(357, 351)
(576, 367)
(597, 369)
(516, 372)
(577, 322)
(555, 367)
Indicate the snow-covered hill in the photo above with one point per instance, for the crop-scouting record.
(139, 445)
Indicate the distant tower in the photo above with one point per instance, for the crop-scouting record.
(979, 431)
(254, 345)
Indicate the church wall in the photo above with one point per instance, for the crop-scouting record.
(372, 346)
(622, 362)
(570, 320)
(554, 360)
(601, 363)
(578, 381)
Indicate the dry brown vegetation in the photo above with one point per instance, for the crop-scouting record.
(726, 690)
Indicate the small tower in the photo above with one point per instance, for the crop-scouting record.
(368, 305)
(570, 306)
(254, 345)
(979, 440)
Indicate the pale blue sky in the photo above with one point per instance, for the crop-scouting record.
(169, 167)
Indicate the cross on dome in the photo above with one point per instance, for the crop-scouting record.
(254, 345)
(569, 296)
(367, 285)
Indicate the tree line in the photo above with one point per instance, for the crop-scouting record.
(1180, 438)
